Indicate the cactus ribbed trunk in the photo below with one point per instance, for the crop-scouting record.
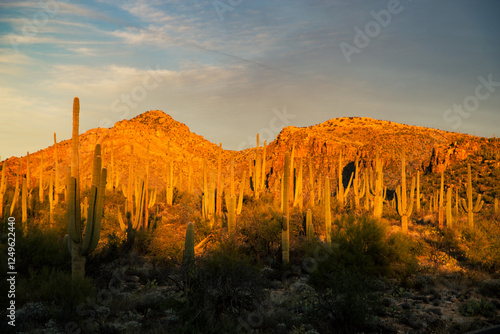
(285, 233)
(441, 207)
(418, 191)
(298, 201)
(328, 212)
(16, 190)
(358, 187)
(218, 200)
(449, 219)
(57, 190)
(24, 202)
(311, 183)
(242, 190)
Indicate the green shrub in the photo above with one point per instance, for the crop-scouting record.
(219, 289)
(473, 308)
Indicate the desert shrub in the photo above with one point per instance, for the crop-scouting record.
(260, 231)
(481, 246)
(473, 307)
(56, 289)
(402, 255)
(39, 248)
(220, 288)
(348, 303)
(363, 245)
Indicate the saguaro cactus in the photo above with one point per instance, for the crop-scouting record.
(80, 247)
(358, 187)
(495, 205)
(341, 192)
(285, 233)
(218, 200)
(311, 183)
(56, 169)
(378, 192)
(299, 198)
(263, 173)
(242, 190)
(309, 226)
(449, 219)
(24, 201)
(418, 191)
(404, 208)
(468, 206)
(441, 207)
(328, 212)
(16, 189)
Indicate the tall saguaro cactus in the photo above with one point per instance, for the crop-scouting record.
(469, 206)
(418, 192)
(404, 208)
(311, 183)
(358, 187)
(285, 233)
(378, 191)
(82, 246)
(309, 226)
(441, 206)
(341, 192)
(56, 169)
(299, 198)
(328, 212)
(24, 201)
(449, 219)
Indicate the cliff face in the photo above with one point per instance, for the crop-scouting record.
(426, 149)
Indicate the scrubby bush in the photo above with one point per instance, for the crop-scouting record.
(220, 288)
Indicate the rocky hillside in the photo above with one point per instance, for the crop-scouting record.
(426, 149)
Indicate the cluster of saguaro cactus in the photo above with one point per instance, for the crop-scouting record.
(404, 208)
(82, 246)
(468, 206)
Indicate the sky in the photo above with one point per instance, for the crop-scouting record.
(230, 69)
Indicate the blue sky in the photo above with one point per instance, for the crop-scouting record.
(231, 69)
